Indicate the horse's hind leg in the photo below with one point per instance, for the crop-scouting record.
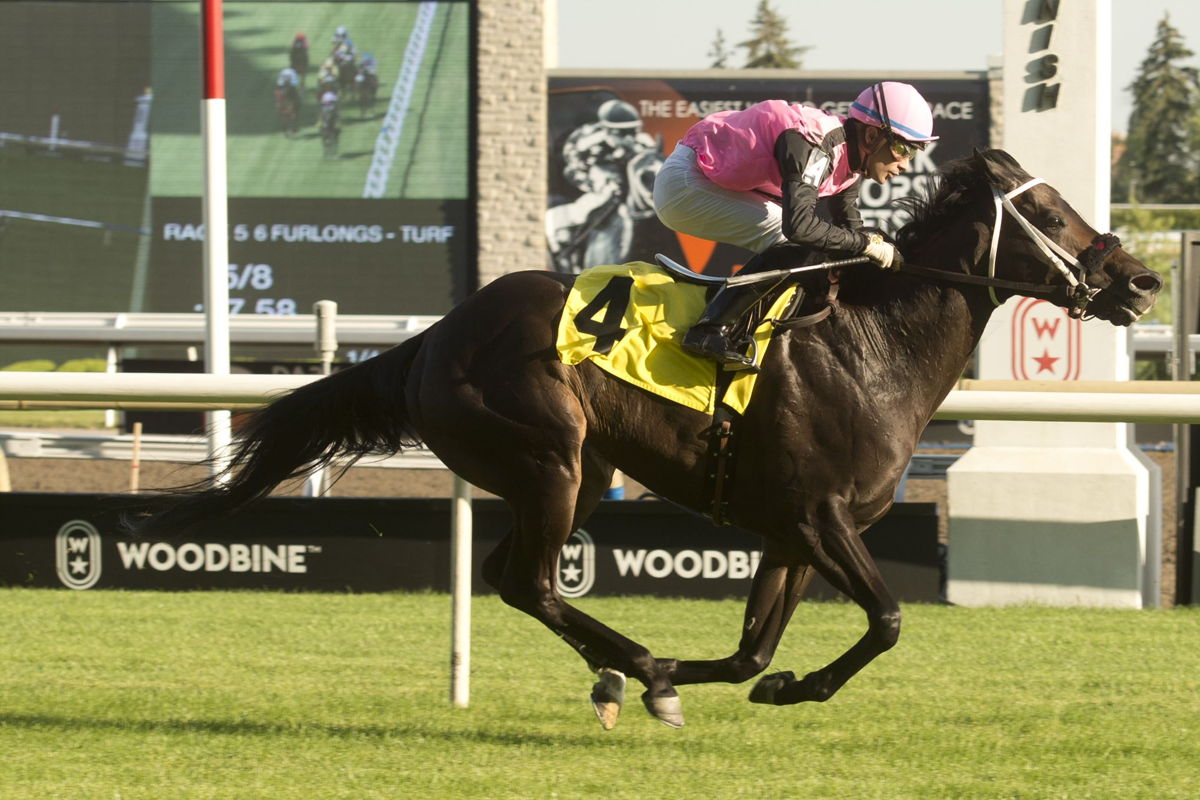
(545, 514)
(778, 586)
(841, 558)
(594, 480)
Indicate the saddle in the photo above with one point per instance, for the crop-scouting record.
(815, 299)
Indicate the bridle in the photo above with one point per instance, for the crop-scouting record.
(1079, 293)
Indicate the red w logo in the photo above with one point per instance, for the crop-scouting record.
(1039, 352)
(1041, 326)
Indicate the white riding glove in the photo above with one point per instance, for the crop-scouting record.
(883, 253)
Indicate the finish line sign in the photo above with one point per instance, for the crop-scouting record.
(644, 547)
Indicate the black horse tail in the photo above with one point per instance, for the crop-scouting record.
(347, 415)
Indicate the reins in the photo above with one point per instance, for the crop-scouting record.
(1078, 293)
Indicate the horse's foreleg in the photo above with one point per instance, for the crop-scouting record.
(840, 557)
(778, 586)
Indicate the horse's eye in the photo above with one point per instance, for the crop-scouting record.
(1055, 222)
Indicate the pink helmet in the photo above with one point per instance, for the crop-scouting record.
(897, 108)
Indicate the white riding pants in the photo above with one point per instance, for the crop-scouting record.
(688, 202)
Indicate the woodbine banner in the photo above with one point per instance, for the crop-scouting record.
(628, 547)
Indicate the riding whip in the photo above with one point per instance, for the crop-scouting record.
(779, 274)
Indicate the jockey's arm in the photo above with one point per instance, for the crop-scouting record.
(803, 168)
(843, 208)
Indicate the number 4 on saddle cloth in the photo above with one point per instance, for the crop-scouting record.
(629, 320)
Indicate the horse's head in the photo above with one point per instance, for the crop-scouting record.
(1038, 238)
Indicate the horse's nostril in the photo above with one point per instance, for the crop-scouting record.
(1146, 282)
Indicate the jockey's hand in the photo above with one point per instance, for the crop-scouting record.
(883, 253)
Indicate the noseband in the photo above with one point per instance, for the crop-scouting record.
(1087, 264)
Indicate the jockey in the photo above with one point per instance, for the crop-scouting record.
(287, 78)
(341, 36)
(752, 178)
(326, 75)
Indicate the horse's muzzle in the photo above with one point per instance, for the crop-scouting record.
(1124, 304)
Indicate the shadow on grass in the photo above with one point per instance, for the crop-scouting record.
(254, 728)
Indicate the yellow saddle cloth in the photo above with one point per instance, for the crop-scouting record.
(629, 320)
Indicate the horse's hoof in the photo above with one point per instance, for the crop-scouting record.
(608, 693)
(666, 709)
(768, 685)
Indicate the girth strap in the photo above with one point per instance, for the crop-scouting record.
(720, 451)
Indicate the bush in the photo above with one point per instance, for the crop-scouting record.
(32, 365)
(84, 365)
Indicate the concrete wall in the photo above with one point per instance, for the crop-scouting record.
(511, 158)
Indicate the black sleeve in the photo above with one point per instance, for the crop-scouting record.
(844, 208)
(797, 156)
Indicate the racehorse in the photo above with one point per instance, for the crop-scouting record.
(366, 84)
(837, 413)
(298, 56)
(329, 127)
(347, 69)
(287, 106)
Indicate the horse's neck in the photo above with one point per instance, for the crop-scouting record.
(921, 338)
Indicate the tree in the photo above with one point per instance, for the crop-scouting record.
(719, 52)
(1160, 163)
(769, 46)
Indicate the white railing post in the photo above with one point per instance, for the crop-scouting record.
(460, 593)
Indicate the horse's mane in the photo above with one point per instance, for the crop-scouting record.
(957, 185)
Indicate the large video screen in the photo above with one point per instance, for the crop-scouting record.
(348, 151)
(609, 134)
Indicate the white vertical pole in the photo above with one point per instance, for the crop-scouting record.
(216, 223)
(460, 594)
(326, 344)
(110, 366)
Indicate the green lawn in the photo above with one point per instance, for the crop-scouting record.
(431, 156)
(262, 695)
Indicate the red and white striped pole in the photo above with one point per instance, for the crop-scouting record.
(216, 222)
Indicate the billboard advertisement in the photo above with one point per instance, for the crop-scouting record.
(608, 134)
(348, 128)
(627, 547)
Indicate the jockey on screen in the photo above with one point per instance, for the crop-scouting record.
(341, 38)
(752, 178)
(287, 78)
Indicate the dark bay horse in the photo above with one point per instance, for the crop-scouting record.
(838, 411)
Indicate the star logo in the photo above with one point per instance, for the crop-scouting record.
(1045, 362)
(77, 554)
(576, 573)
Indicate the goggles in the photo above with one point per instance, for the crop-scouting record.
(903, 149)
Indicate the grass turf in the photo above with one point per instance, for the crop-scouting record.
(261, 695)
(431, 155)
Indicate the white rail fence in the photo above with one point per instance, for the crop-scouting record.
(1101, 401)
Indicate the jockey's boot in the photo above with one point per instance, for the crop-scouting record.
(710, 335)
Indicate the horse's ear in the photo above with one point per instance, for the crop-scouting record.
(1000, 169)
